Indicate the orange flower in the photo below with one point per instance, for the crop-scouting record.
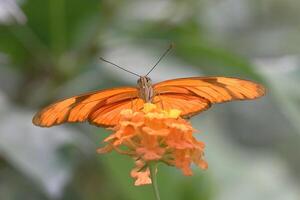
(154, 135)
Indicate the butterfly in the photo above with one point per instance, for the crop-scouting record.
(189, 95)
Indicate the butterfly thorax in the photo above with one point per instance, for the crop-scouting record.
(145, 88)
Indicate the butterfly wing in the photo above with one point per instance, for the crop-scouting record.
(188, 104)
(190, 95)
(109, 115)
(183, 93)
(101, 108)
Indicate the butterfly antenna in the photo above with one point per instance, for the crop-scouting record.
(126, 70)
(161, 57)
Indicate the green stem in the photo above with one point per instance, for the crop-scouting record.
(152, 167)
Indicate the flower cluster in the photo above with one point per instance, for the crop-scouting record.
(153, 135)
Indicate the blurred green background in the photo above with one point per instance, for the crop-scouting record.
(49, 50)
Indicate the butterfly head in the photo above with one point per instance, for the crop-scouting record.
(144, 81)
(145, 88)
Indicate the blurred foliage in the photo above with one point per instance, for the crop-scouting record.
(55, 54)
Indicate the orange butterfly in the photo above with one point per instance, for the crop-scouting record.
(190, 95)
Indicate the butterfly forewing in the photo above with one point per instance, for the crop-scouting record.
(209, 90)
(79, 108)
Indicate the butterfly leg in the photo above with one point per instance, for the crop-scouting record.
(131, 102)
(161, 102)
(136, 105)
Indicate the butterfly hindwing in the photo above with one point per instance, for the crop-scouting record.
(109, 114)
(188, 104)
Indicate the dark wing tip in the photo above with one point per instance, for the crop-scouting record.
(36, 119)
(261, 90)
